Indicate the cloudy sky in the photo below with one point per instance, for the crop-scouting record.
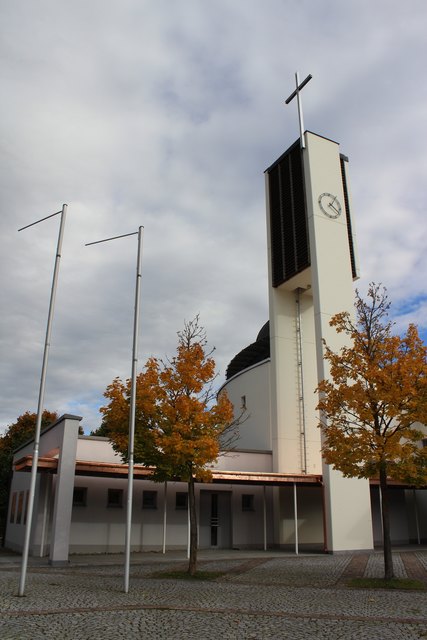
(165, 114)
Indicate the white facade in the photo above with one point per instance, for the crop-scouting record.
(246, 506)
(254, 398)
(90, 517)
(274, 490)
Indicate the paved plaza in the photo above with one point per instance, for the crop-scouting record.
(260, 595)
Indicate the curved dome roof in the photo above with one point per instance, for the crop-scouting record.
(254, 353)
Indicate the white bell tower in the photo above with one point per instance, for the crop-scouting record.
(312, 265)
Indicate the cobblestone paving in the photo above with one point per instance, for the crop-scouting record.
(422, 557)
(316, 571)
(303, 597)
(375, 566)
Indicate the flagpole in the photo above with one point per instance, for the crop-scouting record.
(34, 466)
(132, 411)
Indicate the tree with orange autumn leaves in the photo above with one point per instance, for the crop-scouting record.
(180, 426)
(373, 402)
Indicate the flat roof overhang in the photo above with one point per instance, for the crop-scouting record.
(117, 470)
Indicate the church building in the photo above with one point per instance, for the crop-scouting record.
(273, 490)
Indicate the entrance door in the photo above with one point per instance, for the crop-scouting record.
(215, 520)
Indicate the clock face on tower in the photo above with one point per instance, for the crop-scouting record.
(330, 205)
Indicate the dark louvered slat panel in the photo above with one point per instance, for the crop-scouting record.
(302, 252)
(288, 217)
(348, 218)
(286, 196)
(276, 226)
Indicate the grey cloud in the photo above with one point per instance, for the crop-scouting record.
(166, 115)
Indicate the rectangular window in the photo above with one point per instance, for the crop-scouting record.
(149, 499)
(26, 506)
(80, 496)
(248, 501)
(115, 498)
(181, 500)
(13, 508)
(20, 507)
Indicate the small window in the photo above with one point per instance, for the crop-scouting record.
(27, 493)
(115, 498)
(13, 508)
(80, 497)
(181, 500)
(248, 500)
(149, 499)
(20, 507)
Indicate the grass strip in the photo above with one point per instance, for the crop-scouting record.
(382, 583)
(184, 575)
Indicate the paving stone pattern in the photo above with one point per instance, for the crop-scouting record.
(260, 596)
(375, 567)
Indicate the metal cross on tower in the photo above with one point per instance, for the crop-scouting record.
(292, 96)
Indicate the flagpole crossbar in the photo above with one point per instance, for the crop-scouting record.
(125, 235)
(41, 220)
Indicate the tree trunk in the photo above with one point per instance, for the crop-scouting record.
(192, 565)
(388, 557)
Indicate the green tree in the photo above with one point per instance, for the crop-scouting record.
(180, 426)
(374, 401)
(101, 431)
(16, 434)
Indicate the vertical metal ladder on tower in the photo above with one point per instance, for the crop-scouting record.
(300, 367)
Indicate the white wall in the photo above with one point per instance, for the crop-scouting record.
(97, 528)
(16, 518)
(253, 384)
(309, 516)
(416, 503)
(245, 461)
(94, 448)
(248, 526)
(408, 515)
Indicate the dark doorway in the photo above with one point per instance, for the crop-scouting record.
(215, 520)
